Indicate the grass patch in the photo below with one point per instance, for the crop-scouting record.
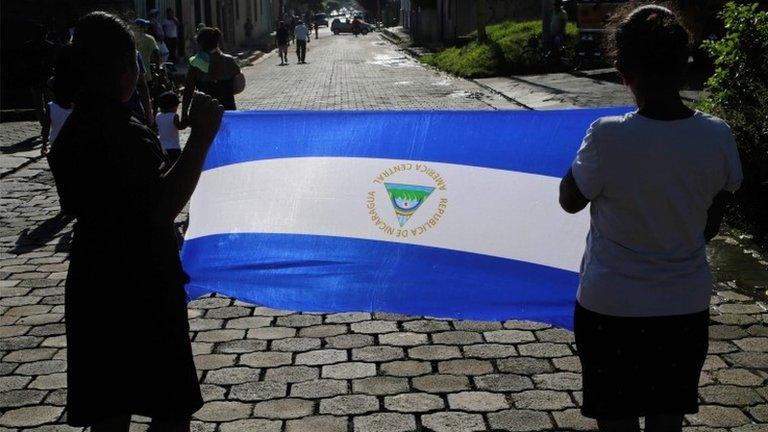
(506, 52)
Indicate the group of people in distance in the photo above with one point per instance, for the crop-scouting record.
(656, 181)
(300, 33)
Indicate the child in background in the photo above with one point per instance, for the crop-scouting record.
(168, 125)
(657, 180)
(63, 95)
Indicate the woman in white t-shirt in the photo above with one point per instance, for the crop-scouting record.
(657, 180)
(168, 125)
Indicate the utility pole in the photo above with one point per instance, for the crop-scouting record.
(482, 36)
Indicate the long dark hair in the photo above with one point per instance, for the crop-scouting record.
(652, 43)
(103, 49)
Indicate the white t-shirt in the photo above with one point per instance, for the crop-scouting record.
(169, 133)
(58, 116)
(170, 29)
(301, 32)
(650, 184)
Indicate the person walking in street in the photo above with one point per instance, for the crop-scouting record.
(171, 32)
(127, 330)
(301, 32)
(657, 180)
(558, 23)
(63, 86)
(212, 72)
(169, 124)
(356, 26)
(147, 47)
(282, 39)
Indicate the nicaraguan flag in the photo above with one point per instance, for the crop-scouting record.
(445, 214)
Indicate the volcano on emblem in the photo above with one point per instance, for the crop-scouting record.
(406, 199)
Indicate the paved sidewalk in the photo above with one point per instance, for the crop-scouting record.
(19, 145)
(277, 371)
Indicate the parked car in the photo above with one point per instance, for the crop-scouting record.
(321, 20)
(339, 26)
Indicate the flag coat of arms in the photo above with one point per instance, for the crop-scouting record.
(428, 213)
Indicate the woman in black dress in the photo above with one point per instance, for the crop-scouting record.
(126, 317)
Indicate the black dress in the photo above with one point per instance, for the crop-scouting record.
(128, 347)
(639, 366)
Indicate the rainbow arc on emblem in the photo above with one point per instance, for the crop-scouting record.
(406, 199)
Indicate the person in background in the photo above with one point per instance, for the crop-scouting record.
(301, 33)
(156, 26)
(282, 39)
(38, 61)
(116, 180)
(657, 179)
(169, 124)
(248, 29)
(155, 30)
(356, 25)
(147, 47)
(171, 32)
(212, 72)
(557, 25)
(63, 95)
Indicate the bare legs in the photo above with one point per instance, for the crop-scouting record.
(654, 423)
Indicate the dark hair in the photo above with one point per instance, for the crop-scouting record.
(168, 100)
(102, 50)
(651, 42)
(208, 38)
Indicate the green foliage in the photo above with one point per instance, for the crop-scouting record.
(738, 93)
(408, 194)
(472, 61)
(507, 51)
(331, 6)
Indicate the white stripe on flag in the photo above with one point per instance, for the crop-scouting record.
(487, 211)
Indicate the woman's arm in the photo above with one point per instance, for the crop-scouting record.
(571, 198)
(179, 183)
(189, 91)
(715, 214)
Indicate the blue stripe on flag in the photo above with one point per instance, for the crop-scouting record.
(537, 142)
(335, 274)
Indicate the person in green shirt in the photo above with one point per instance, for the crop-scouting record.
(147, 46)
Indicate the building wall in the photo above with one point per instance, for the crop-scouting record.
(459, 17)
(229, 16)
(405, 13)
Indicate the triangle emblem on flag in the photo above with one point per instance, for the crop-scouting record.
(406, 199)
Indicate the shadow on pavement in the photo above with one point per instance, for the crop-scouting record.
(28, 241)
(23, 146)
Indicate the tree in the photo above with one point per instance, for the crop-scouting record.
(332, 6)
(482, 36)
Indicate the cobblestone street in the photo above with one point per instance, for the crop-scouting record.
(267, 370)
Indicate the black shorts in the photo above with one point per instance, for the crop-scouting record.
(634, 367)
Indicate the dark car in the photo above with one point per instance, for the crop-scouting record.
(321, 20)
(339, 26)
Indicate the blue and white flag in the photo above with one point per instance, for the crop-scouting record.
(443, 214)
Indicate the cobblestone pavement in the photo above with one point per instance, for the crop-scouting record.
(278, 371)
(19, 145)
